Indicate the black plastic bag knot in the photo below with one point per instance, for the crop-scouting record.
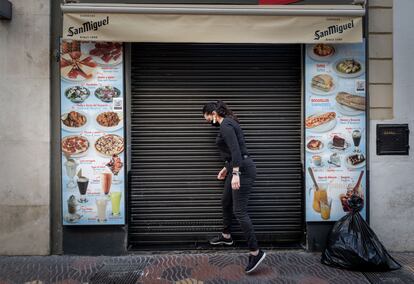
(356, 203)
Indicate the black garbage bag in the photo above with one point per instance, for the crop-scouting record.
(353, 245)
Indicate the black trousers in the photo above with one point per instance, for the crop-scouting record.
(236, 201)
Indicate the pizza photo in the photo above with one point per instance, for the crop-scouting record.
(109, 145)
(75, 145)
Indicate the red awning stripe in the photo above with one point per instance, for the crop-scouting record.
(277, 2)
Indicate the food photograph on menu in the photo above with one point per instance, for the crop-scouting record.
(335, 129)
(92, 133)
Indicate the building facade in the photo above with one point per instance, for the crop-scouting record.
(30, 45)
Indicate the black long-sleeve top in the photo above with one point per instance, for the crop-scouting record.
(230, 141)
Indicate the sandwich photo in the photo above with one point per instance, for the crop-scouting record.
(352, 101)
(322, 82)
(319, 119)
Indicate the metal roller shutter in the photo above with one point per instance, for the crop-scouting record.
(175, 199)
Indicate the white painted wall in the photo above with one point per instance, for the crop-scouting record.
(392, 178)
(24, 129)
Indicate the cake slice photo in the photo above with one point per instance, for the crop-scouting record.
(338, 143)
(355, 160)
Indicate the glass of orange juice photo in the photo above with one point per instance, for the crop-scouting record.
(326, 208)
(319, 195)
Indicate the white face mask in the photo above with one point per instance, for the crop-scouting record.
(214, 122)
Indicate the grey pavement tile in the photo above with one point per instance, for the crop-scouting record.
(207, 268)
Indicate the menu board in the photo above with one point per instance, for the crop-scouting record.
(92, 133)
(335, 129)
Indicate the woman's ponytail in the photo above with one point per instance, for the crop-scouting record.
(221, 108)
(224, 111)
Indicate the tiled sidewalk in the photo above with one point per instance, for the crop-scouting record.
(217, 267)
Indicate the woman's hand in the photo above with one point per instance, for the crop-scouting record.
(222, 174)
(235, 182)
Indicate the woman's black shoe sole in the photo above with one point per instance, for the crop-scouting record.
(257, 264)
(221, 243)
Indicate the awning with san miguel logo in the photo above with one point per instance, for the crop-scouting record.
(272, 21)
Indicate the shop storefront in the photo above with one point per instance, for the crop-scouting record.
(133, 79)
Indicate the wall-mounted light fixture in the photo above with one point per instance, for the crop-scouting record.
(5, 10)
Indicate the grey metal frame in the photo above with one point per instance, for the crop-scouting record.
(55, 157)
(127, 101)
(220, 2)
(367, 117)
(351, 10)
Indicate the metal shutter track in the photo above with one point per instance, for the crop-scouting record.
(175, 199)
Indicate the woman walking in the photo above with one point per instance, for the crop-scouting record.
(239, 173)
